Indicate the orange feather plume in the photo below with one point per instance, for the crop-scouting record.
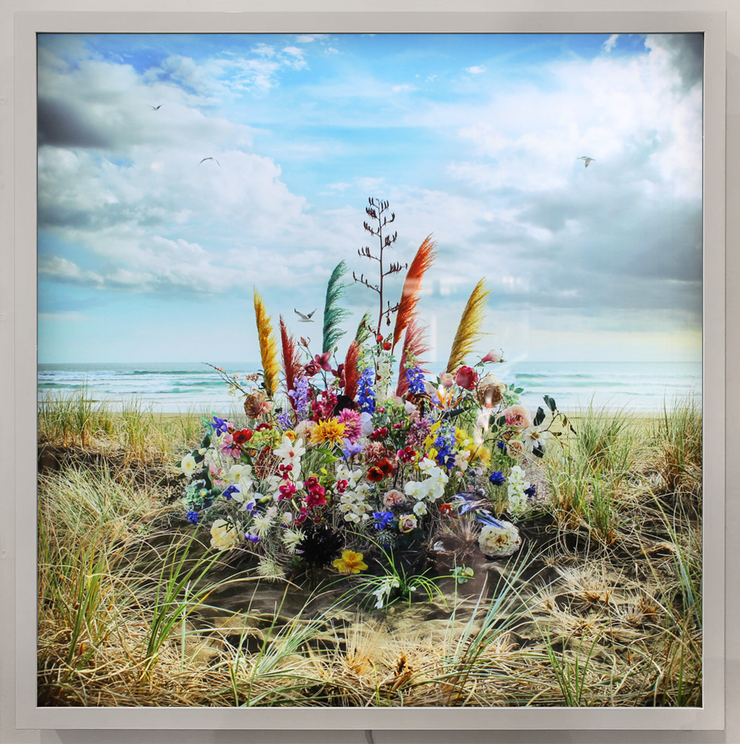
(414, 346)
(291, 358)
(351, 370)
(412, 286)
(268, 347)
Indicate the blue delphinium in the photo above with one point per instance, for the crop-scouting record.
(365, 392)
(415, 379)
(531, 491)
(497, 478)
(444, 444)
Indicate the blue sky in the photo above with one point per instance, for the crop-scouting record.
(148, 254)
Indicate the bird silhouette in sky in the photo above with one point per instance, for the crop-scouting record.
(155, 108)
(586, 160)
(214, 160)
(305, 318)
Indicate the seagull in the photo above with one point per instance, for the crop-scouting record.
(305, 318)
(586, 160)
(214, 160)
(155, 108)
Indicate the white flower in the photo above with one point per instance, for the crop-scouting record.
(292, 539)
(367, 424)
(420, 509)
(239, 475)
(499, 541)
(351, 476)
(261, 524)
(287, 518)
(224, 536)
(269, 569)
(516, 486)
(384, 590)
(290, 453)
(188, 465)
(533, 436)
(353, 506)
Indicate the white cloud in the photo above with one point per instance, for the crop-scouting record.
(610, 42)
(475, 70)
(403, 88)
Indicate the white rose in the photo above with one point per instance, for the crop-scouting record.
(499, 541)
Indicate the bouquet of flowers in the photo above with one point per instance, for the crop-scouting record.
(336, 456)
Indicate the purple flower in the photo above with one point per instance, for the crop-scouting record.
(219, 425)
(497, 479)
(351, 448)
(283, 420)
(415, 378)
(365, 393)
(300, 398)
(229, 491)
(251, 538)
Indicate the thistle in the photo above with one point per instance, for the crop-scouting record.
(268, 347)
(333, 314)
(468, 332)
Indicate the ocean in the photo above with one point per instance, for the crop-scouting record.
(172, 388)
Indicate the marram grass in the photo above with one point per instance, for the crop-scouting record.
(602, 607)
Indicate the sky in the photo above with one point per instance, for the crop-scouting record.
(149, 253)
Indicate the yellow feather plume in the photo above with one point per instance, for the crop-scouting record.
(268, 346)
(468, 332)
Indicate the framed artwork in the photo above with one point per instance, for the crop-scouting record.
(380, 363)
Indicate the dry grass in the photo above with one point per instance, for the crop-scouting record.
(604, 609)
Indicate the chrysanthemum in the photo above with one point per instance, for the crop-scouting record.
(330, 431)
(352, 424)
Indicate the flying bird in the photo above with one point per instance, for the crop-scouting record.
(586, 160)
(155, 108)
(305, 318)
(214, 160)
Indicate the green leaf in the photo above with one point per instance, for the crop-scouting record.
(539, 417)
(519, 390)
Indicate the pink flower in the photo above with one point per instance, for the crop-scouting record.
(393, 498)
(518, 416)
(407, 522)
(466, 378)
(492, 357)
(352, 424)
(322, 360)
(446, 379)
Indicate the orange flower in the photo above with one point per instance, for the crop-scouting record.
(350, 563)
(331, 431)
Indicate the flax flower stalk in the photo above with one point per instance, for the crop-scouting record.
(412, 286)
(268, 347)
(468, 332)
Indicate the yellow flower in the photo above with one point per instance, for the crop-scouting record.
(330, 431)
(350, 563)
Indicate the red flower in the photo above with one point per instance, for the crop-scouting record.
(316, 497)
(342, 486)
(406, 455)
(323, 361)
(375, 474)
(386, 467)
(286, 491)
(446, 509)
(387, 345)
(264, 425)
(243, 436)
(380, 433)
(311, 368)
(466, 378)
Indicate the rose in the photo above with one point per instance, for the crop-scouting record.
(393, 498)
(518, 416)
(407, 522)
(466, 378)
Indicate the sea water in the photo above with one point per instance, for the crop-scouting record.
(631, 386)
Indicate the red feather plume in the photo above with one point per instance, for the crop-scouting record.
(351, 370)
(414, 345)
(291, 358)
(412, 286)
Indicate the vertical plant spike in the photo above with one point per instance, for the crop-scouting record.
(468, 332)
(351, 370)
(291, 359)
(412, 286)
(268, 347)
(414, 346)
(333, 314)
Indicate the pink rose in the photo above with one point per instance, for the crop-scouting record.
(466, 378)
(407, 523)
(393, 498)
(518, 416)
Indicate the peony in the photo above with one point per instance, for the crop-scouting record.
(466, 378)
(256, 404)
(499, 541)
(224, 536)
(518, 416)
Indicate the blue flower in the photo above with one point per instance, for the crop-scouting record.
(192, 517)
(415, 378)
(229, 491)
(219, 425)
(251, 538)
(365, 393)
(531, 491)
(501, 445)
(382, 519)
(444, 443)
(300, 398)
(350, 449)
(497, 479)
(284, 422)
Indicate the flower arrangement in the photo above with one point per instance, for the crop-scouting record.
(340, 454)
